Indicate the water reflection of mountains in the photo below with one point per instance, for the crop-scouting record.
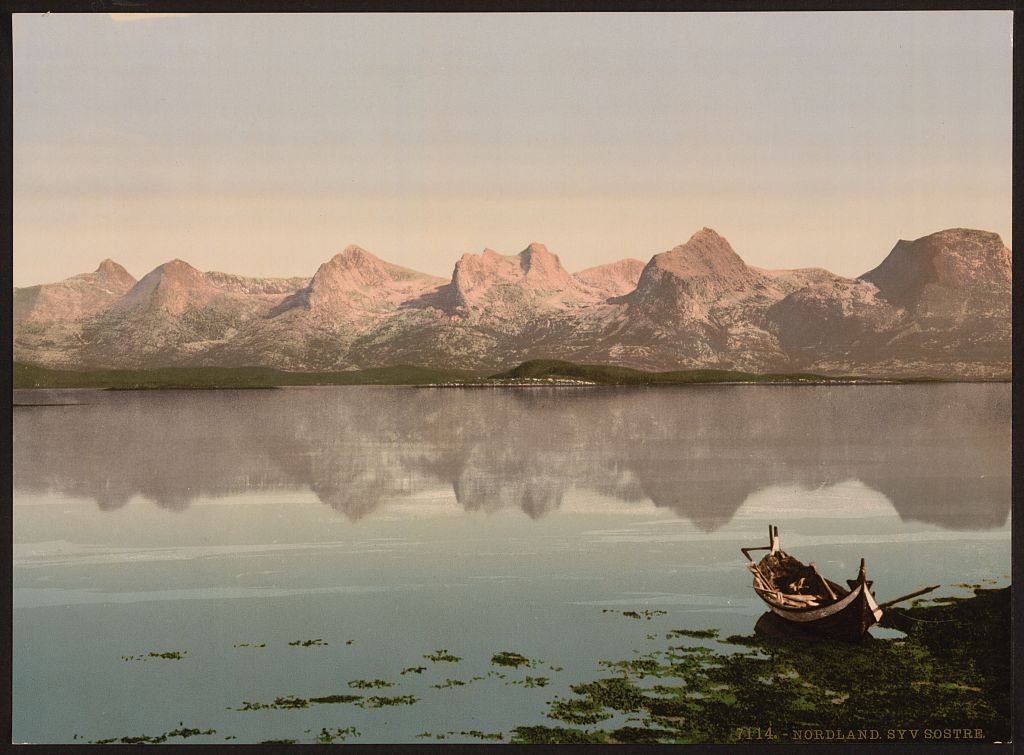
(939, 453)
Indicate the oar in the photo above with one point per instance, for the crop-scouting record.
(908, 597)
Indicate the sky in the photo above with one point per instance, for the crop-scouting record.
(264, 144)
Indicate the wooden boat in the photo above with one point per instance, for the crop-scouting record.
(798, 594)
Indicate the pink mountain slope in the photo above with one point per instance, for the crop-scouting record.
(73, 298)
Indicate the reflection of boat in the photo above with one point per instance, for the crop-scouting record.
(797, 593)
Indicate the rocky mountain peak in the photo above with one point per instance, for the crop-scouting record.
(535, 249)
(352, 268)
(175, 269)
(110, 271)
(354, 282)
(706, 254)
(543, 270)
(353, 254)
(959, 258)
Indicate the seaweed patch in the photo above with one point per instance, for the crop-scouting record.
(950, 670)
(288, 702)
(442, 656)
(330, 736)
(370, 683)
(179, 733)
(382, 702)
(506, 658)
(636, 614)
(169, 655)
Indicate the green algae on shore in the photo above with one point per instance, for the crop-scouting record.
(949, 671)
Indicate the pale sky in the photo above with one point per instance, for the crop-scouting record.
(264, 144)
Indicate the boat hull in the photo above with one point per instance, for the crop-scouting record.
(847, 619)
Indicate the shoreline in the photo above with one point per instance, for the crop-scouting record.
(529, 374)
(520, 385)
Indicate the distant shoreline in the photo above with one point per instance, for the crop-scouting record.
(531, 374)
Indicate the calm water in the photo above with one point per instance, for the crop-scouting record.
(394, 522)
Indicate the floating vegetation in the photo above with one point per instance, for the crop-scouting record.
(171, 655)
(369, 684)
(330, 736)
(643, 614)
(279, 742)
(636, 614)
(250, 645)
(413, 670)
(474, 733)
(449, 683)
(949, 671)
(697, 634)
(536, 681)
(143, 739)
(639, 666)
(556, 669)
(442, 656)
(349, 642)
(514, 660)
(383, 702)
(287, 702)
(335, 699)
(307, 643)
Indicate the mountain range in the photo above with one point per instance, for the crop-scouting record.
(937, 306)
